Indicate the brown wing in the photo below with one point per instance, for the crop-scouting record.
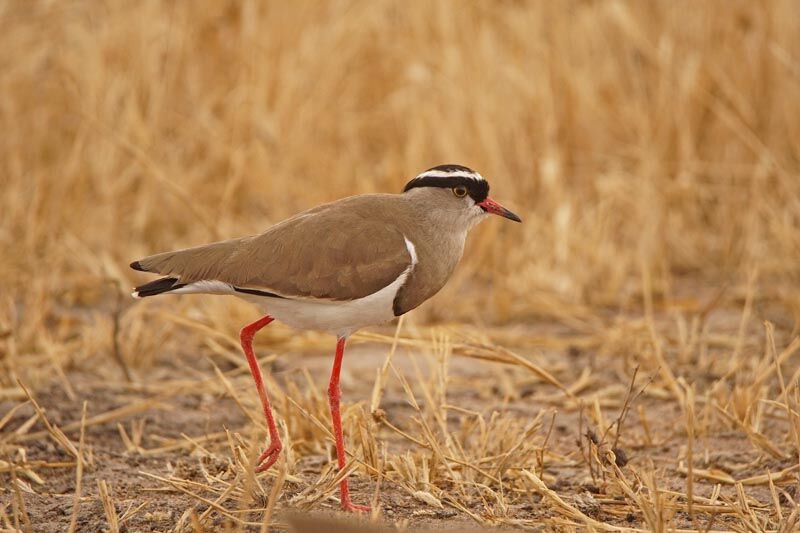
(338, 251)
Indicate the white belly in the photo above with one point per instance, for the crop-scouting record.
(339, 318)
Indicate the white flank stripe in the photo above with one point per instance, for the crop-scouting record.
(412, 250)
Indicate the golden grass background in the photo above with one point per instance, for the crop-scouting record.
(656, 135)
(652, 149)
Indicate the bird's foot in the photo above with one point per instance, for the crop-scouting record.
(347, 505)
(270, 455)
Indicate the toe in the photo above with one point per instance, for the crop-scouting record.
(355, 508)
(268, 458)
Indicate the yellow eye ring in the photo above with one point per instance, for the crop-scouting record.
(460, 191)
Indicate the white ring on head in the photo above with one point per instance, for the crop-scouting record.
(454, 174)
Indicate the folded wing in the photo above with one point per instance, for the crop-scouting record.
(331, 252)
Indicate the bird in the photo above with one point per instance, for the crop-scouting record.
(356, 262)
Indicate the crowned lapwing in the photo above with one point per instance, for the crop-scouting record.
(339, 267)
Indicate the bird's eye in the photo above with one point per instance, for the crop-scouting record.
(460, 191)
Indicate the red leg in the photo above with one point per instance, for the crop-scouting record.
(334, 393)
(270, 455)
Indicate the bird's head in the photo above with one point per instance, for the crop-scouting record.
(457, 191)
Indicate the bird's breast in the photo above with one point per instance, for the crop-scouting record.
(438, 258)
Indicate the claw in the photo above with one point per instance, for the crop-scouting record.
(269, 457)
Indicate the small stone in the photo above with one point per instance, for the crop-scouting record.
(621, 457)
(586, 503)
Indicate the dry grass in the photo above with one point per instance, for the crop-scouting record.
(652, 148)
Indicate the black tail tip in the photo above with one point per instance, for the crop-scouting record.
(136, 265)
(158, 286)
